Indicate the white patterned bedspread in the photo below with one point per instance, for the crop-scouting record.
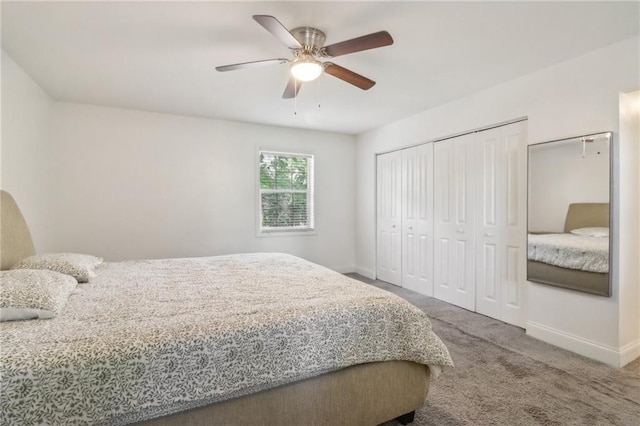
(148, 338)
(570, 251)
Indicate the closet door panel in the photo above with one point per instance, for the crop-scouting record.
(514, 295)
(479, 222)
(389, 206)
(454, 275)
(417, 223)
(463, 255)
(515, 227)
(410, 237)
(489, 222)
(443, 220)
(425, 219)
(425, 267)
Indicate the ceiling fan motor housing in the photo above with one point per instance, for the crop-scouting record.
(311, 39)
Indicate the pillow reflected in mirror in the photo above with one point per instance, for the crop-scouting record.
(598, 232)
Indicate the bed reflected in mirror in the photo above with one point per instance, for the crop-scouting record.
(568, 210)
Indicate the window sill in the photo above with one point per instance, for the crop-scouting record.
(292, 233)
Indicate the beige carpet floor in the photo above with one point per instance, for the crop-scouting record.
(504, 377)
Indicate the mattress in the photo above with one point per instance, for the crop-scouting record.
(570, 251)
(149, 338)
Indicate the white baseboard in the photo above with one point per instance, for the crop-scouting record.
(365, 272)
(573, 343)
(629, 353)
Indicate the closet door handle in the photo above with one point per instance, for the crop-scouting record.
(410, 228)
(393, 226)
(488, 234)
(460, 230)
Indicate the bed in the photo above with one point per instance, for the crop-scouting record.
(260, 338)
(577, 259)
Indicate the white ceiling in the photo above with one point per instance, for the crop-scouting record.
(160, 56)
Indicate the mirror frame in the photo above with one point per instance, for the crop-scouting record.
(568, 286)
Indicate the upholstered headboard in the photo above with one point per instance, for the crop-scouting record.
(15, 238)
(586, 215)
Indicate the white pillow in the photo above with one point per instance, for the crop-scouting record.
(33, 294)
(600, 232)
(79, 266)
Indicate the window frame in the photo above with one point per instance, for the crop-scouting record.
(262, 231)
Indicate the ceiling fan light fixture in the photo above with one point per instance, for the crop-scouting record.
(307, 45)
(306, 69)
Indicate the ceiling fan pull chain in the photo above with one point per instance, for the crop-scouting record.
(318, 92)
(295, 96)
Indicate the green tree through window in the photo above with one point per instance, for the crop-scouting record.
(286, 191)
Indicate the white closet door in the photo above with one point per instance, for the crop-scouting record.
(490, 213)
(454, 168)
(463, 267)
(514, 137)
(389, 203)
(442, 218)
(500, 223)
(417, 219)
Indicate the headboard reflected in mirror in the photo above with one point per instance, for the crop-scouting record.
(569, 213)
(15, 238)
(587, 215)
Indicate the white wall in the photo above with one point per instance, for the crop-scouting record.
(131, 184)
(559, 176)
(575, 97)
(26, 112)
(630, 214)
(128, 184)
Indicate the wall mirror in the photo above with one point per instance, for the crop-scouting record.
(568, 209)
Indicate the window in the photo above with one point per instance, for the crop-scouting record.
(286, 192)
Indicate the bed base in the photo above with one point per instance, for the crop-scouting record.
(573, 279)
(405, 419)
(362, 395)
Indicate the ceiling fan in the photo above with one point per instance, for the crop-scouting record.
(308, 48)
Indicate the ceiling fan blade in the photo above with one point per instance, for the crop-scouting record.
(370, 41)
(292, 89)
(349, 76)
(254, 64)
(274, 26)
